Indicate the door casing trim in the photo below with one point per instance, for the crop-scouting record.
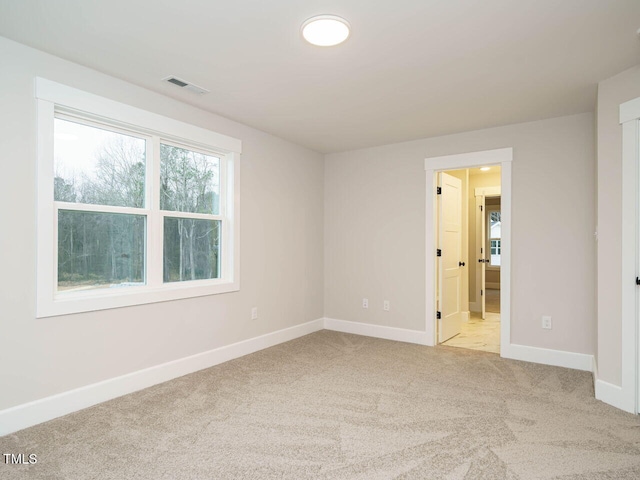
(504, 158)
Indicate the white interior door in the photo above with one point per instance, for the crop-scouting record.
(450, 261)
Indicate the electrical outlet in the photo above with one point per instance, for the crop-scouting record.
(546, 322)
(386, 306)
(365, 303)
(254, 313)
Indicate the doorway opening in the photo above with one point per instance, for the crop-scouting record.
(468, 276)
(469, 238)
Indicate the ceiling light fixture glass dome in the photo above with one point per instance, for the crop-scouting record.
(325, 30)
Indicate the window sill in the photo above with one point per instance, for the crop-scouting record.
(108, 298)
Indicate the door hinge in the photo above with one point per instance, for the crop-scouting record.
(481, 292)
(438, 253)
(481, 250)
(438, 190)
(438, 315)
(637, 281)
(481, 208)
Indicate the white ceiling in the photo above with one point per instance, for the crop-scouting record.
(411, 68)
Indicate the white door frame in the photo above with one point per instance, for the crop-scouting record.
(502, 157)
(628, 397)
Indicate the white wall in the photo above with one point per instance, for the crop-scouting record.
(281, 249)
(611, 93)
(375, 230)
(339, 230)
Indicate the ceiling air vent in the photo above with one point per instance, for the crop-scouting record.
(186, 85)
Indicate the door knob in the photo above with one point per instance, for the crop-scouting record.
(461, 264)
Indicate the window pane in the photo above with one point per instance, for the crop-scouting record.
(100, 250)
(96, 166)
(495, 252)
(191, 249)
(494, 225)
(189, 181)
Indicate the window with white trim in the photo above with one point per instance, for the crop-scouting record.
(494, 235)
(133, 207)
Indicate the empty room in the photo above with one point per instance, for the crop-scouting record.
(346, 240)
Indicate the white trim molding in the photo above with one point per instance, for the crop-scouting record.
(609, 393)
(28, 414)
(504, 158)
(75, 99)
(57, 101)
(376, 331)
(630, 110)
(547, 356)
(612, 395)
(488, 191)
(628, 396)
(22, 416)
(468, 160)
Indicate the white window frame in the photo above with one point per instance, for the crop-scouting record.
(54, 99)
(488, 210)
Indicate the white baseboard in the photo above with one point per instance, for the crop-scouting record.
(465, 316)
(611, 394)
(28, 414)
(475, 306)
(377, 331)
(23, 416)
(546, 356)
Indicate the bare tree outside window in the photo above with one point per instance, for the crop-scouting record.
(94, 166)
(190, 182)
(133, 207)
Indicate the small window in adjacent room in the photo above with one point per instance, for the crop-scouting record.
(133, 207)
(494, 235)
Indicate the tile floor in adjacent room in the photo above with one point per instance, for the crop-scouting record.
(492, 300)
(479, 334)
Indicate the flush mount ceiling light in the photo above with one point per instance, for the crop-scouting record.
(325, 30)
(485, 169)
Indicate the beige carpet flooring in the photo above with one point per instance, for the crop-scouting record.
(340, 406)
